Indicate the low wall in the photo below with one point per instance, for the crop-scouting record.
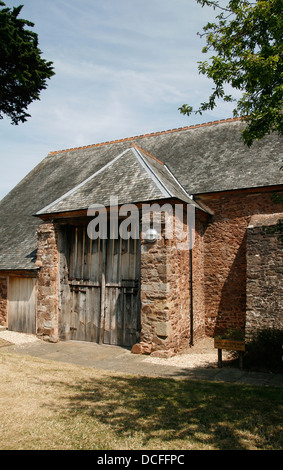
(225, 255)
(264, 275)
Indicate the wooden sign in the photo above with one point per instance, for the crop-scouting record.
(232, 345)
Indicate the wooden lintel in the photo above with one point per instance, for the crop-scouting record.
(19, 273)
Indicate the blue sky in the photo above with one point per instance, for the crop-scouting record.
(123, 67)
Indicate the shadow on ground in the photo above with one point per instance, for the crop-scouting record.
(192, 414)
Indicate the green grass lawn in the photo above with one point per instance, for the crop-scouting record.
(50, 405)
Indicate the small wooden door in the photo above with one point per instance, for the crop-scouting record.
(22, 304)
(100, 299)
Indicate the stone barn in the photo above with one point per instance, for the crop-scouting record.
(149, 242)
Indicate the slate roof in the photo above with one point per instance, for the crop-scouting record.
(206, 158)
(132, 177)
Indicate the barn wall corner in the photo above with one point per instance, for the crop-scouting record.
(48, 282)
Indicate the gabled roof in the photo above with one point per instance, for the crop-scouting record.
(204, 159)
(132, 177)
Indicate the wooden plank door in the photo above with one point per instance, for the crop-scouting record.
(22, 304)
(80, 301)
(100, 294)
(122, 299)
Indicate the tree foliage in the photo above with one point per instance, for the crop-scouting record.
(247, 41)
(23, 72)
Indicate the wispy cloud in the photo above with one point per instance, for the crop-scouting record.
(122, 68)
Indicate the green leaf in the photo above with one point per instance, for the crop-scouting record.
(247, 41)
(23, 72)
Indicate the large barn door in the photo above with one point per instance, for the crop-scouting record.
(121, 316)
(100, 297)
(22, 304)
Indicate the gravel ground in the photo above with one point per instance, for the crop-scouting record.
(17, 338)
(187, 360)
(203, 354)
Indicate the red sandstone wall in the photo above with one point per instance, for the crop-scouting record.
(225, 256)
(3, 302)
(199, 279)
(178, 300)
(264, 275)
(154, 288)
(166, 295)
(48, 282)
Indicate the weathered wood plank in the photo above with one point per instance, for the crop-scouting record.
(99, 295)
(22, 304)
(102, 301)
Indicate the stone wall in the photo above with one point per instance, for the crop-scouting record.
(166, 295)
(154, 290)
(264, 275)
(198, 293)
(225, 241)
(178, 300)
(3, 302)
(48, 282)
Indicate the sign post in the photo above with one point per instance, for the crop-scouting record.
(230, 345)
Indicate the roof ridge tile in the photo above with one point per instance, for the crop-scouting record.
(147, 153)
(152, 134)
